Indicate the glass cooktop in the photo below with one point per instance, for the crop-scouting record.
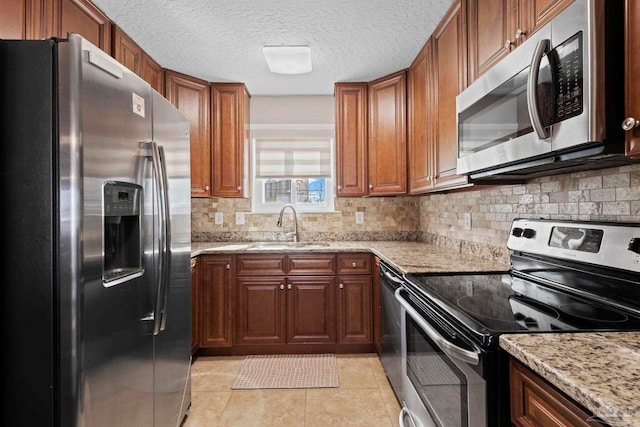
(491, 304)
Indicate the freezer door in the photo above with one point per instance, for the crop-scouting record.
(105, 113)
(172, 383)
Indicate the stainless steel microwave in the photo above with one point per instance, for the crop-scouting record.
(554, 104)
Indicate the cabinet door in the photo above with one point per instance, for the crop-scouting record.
(82, 17)
(534, 402)
(311, 310)
(632, 65)
(421, 93)
(230, 112)
(191, 97)
(13, 19)
(261, 310)
(451, 78)
(126, 51)
(492, 29)
(216, 301)
(351, 139)
(536, 13)
(387, 135)
(195, 304)
(377, 306)
(152, 73)
(354, 309)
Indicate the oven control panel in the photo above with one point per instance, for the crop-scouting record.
(607, 244)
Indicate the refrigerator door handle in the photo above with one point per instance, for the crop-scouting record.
(157, 156)
(167, 230)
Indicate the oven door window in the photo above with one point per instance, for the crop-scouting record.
(442, 387)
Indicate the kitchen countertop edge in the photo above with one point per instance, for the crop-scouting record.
(601, 371)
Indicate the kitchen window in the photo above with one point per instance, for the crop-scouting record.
(295, 170)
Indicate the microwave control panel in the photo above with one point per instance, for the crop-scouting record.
(568, 57)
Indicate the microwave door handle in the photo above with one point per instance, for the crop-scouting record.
(532, 89)
(450, 349)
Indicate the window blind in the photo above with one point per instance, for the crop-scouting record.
(293, 158)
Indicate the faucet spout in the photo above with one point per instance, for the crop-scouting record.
(294, 233)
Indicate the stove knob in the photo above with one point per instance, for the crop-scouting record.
(634, 245)
(528, 233)
(517, 232)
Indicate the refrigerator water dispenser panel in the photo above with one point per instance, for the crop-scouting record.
(121, 232)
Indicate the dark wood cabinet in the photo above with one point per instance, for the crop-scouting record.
(351, 139)
(230, 127)
(13, 19)
(355, 323)
(387, 130)
(632, 84)
(195, 304)
(377, 306)
(450, 57)
(496, 27)
(535, 402)
(127, 52)
(83, 18)
(216, 295)
(191, 97)
(421, 108)
(286, 299)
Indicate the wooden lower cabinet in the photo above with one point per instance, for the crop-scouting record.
(216, 294)
(261, 310)
(355, 323)
(311, 310)
(195, 304)
(535, 402)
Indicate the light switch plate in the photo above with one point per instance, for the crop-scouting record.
(219, 218)
(360, 217)
(467, 221)
(239, 218)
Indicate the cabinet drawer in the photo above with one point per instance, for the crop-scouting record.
(354, 263)
(312, 264)
(260, 265)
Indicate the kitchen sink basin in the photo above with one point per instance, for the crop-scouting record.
(287, 245)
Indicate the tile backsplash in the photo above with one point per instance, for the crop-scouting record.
(607, 195)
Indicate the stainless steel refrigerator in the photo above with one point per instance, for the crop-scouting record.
(96, 210)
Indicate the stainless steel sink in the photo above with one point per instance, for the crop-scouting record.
(287, 245)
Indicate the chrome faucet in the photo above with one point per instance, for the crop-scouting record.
(294, 233)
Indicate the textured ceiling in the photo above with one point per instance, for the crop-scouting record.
(222, 40)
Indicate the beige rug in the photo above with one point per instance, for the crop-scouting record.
(288, 371)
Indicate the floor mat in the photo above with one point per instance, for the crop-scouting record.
(288, 371)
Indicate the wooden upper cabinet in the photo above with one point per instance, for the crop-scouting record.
(129, 54)
(191, 97)
(387, 157)
(13, 20)
(230, 124)
(496, 27)
(351, 139)
(83, 18)
(152, 73)
(632, 64)
(449, 46)
(421, 121)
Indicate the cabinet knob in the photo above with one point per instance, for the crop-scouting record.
(228, 266)
(630, 123)
(508, 44)
(370, 186)
(239, 187)
(281, 286)
(353, 265)
(289, 286)
(206, 187)
(341, 286)
(520, 33)
(339, 187)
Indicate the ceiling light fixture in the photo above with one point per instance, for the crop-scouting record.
(288, 59)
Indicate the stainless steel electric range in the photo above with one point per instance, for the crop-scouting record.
(565, 276)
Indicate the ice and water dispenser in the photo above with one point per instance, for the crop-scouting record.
(122, 228)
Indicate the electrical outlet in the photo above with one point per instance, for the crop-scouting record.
(219, 218)
(467, 221)
(359, 217)
(239, 218)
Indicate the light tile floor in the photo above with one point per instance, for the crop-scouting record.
(364, 398)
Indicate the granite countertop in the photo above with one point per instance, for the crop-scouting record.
(601, 371)
(406, 257)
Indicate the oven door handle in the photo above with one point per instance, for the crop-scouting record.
(450, 349)
(405, 412)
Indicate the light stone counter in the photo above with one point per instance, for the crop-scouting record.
(407, 257)
(601, 371)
